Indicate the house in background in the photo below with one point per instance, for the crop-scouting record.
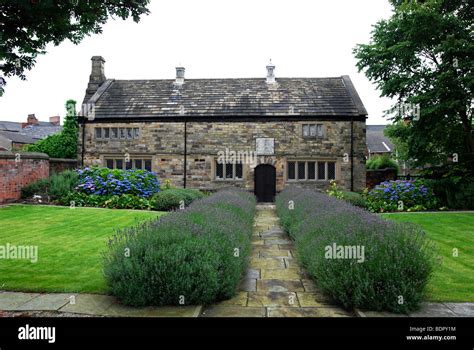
(296, 131)
(15, 135)
(377, 142)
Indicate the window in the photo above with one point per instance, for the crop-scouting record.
(122, 133)
(303, 170)
(136, 133)
(129, 133)
(133, 163)
(98, 133)
(291, 171)
(311, 171)
(313, 130)
(114, 133)
(331, 170)
(229, 171)
(106, 133)
(321, 171)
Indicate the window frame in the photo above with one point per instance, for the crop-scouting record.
(307, 163)
(316, 127)
(224, 171)
(115, 158)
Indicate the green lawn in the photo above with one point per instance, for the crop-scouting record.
(70, 242)
(454, 279)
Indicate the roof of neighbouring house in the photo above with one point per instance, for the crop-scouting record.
(10, 126)
(41, 131)
(17, 137)
(377, 142)
(289, 97)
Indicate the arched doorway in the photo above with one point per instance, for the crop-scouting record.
(265, 183)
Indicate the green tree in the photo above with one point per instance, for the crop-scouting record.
(63, 144)
(423, 56)
(27, 26)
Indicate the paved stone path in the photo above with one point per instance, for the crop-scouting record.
(274, 286)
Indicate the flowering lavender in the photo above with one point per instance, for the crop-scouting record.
(398, 258)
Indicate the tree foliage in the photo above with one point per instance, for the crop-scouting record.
(63, 144)
(27, 26)
(423, 56)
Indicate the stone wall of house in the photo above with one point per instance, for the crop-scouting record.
(164, 143)
(18, 170)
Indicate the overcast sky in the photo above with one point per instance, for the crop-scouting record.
(212, 39)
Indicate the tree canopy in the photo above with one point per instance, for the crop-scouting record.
(423, 56)
(27, 26)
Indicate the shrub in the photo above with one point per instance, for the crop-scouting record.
(56, 186)
(382, 162)
(124, 201)
(401, 195)
(110, 182)
(397, 261)
(355, 198)
(172, 198)
(192, 256)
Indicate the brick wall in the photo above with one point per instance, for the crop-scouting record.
(58, 165)
(18, 170)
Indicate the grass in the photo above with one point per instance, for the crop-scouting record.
(453, 280)
(70, 242)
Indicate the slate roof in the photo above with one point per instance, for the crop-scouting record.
(18, 137)
(319, 97)
(375, 140)
(10, 126)
(41, 131)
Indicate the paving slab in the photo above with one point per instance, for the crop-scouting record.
(272, 241)
(48, 302)
(233, 311)
(433, 310)
(281, 274)
(269, 263)
(92, 304)
(10, 301)
(461, 309)
(314, 299)
(119, 310)
(252, 273)
(275, 285)
(308, 285)
(307, 312)
(248, 285)
(239, 300)
(276, 253)
(275, 299)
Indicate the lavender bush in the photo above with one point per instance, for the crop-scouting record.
(396, 261)
(192, 256)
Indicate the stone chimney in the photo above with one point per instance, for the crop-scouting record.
(97, 76)
(32, 120)
(55, 120)
(270, 73)
(179, 75)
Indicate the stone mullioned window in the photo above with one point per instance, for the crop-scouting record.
(116, 133)
(311, 170)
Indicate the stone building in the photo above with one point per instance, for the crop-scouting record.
(261, 134)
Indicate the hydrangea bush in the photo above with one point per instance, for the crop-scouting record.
(116, 182)
(396, 260)
(401, 195)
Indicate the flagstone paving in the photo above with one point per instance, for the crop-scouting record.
(273, 286)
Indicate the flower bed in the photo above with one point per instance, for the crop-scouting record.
(192, 256)
(358, 258)
(401, 195)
